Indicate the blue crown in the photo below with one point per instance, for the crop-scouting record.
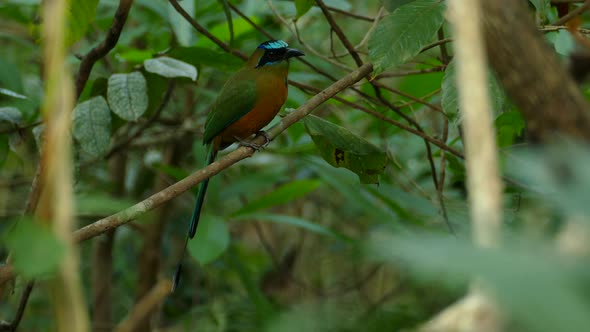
(273, 45)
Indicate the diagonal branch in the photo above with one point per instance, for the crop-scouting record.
(233, 157)
(103, 48)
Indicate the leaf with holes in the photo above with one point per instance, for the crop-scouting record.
(342, 148)
(169, 67)
(401, 35)
(92, 126)
(127, 95)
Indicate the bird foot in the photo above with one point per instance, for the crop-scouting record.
(252, 145)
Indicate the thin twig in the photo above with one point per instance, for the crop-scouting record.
(103, 48)
(231, 158)
(578, 11)
(146, 305)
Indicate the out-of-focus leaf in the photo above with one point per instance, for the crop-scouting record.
(564, 42)
(293, 221)
(509, 126)
(200, 56)
(401, 35)
(127, 95)
(185, 33)
(521, 278)
(100, 204)
(4, 148)
(34, 249)
(11, 93)
(213, 239)
(543, 8)
(169, 67)
(134, 55)
(392, 5)
(80, 14)
(92, 126)
(38, 132)
(9, 118)
(450, 95)
(558, 173)
(342, 148)
(281, 195)
(303, 6)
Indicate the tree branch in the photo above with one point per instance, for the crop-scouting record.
(147, 304)
(103, 48)
(231, 158)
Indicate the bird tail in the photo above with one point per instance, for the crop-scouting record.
(211, 155)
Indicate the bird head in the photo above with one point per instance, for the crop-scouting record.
(273, 52)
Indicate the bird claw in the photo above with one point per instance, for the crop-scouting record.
(253, 145)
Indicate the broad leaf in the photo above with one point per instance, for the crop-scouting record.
(185, 33)
(11, 93)
(169, 67)
(34, 249)
(281, 195)
(401, 35)
(127, 95)
(303, 6)
(392, 5)
(213, 239)
(450, 95)
(342, 148)
(9, 118)
(201, 56)
(92, 126)
(80, 14)
(293, 221)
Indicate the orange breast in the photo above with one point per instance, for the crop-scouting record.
(272, 93)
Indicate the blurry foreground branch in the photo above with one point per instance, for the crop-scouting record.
(476, 312)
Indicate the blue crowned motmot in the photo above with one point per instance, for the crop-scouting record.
(248, 101)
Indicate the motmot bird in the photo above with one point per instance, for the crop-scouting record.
(248, 101)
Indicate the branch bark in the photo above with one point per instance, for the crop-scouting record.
(103, 48)
(240, 153)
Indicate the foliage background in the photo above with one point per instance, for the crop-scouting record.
(287, 241)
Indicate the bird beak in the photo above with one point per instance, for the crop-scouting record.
(291, 53)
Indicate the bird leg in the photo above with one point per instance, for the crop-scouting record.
(252, 145)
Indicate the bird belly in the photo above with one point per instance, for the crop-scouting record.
(262, 114)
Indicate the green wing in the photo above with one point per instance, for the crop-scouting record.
(237, 98)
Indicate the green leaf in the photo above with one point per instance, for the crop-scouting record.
(100, 204)
(9, 118)
(213, 239)
(281, 195)
(92, 126)
(450, 94)
(564, 42)
(303, 6)
(169, 67)
(80, 14)
(392, 5)
(185, 33)
(293, 221)
(342, 148)
(201, 56)
(4, 148)
(401, 35)
(127, 95)
(35, 250)
(12, 94)
(520, 275)
(509, 125)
